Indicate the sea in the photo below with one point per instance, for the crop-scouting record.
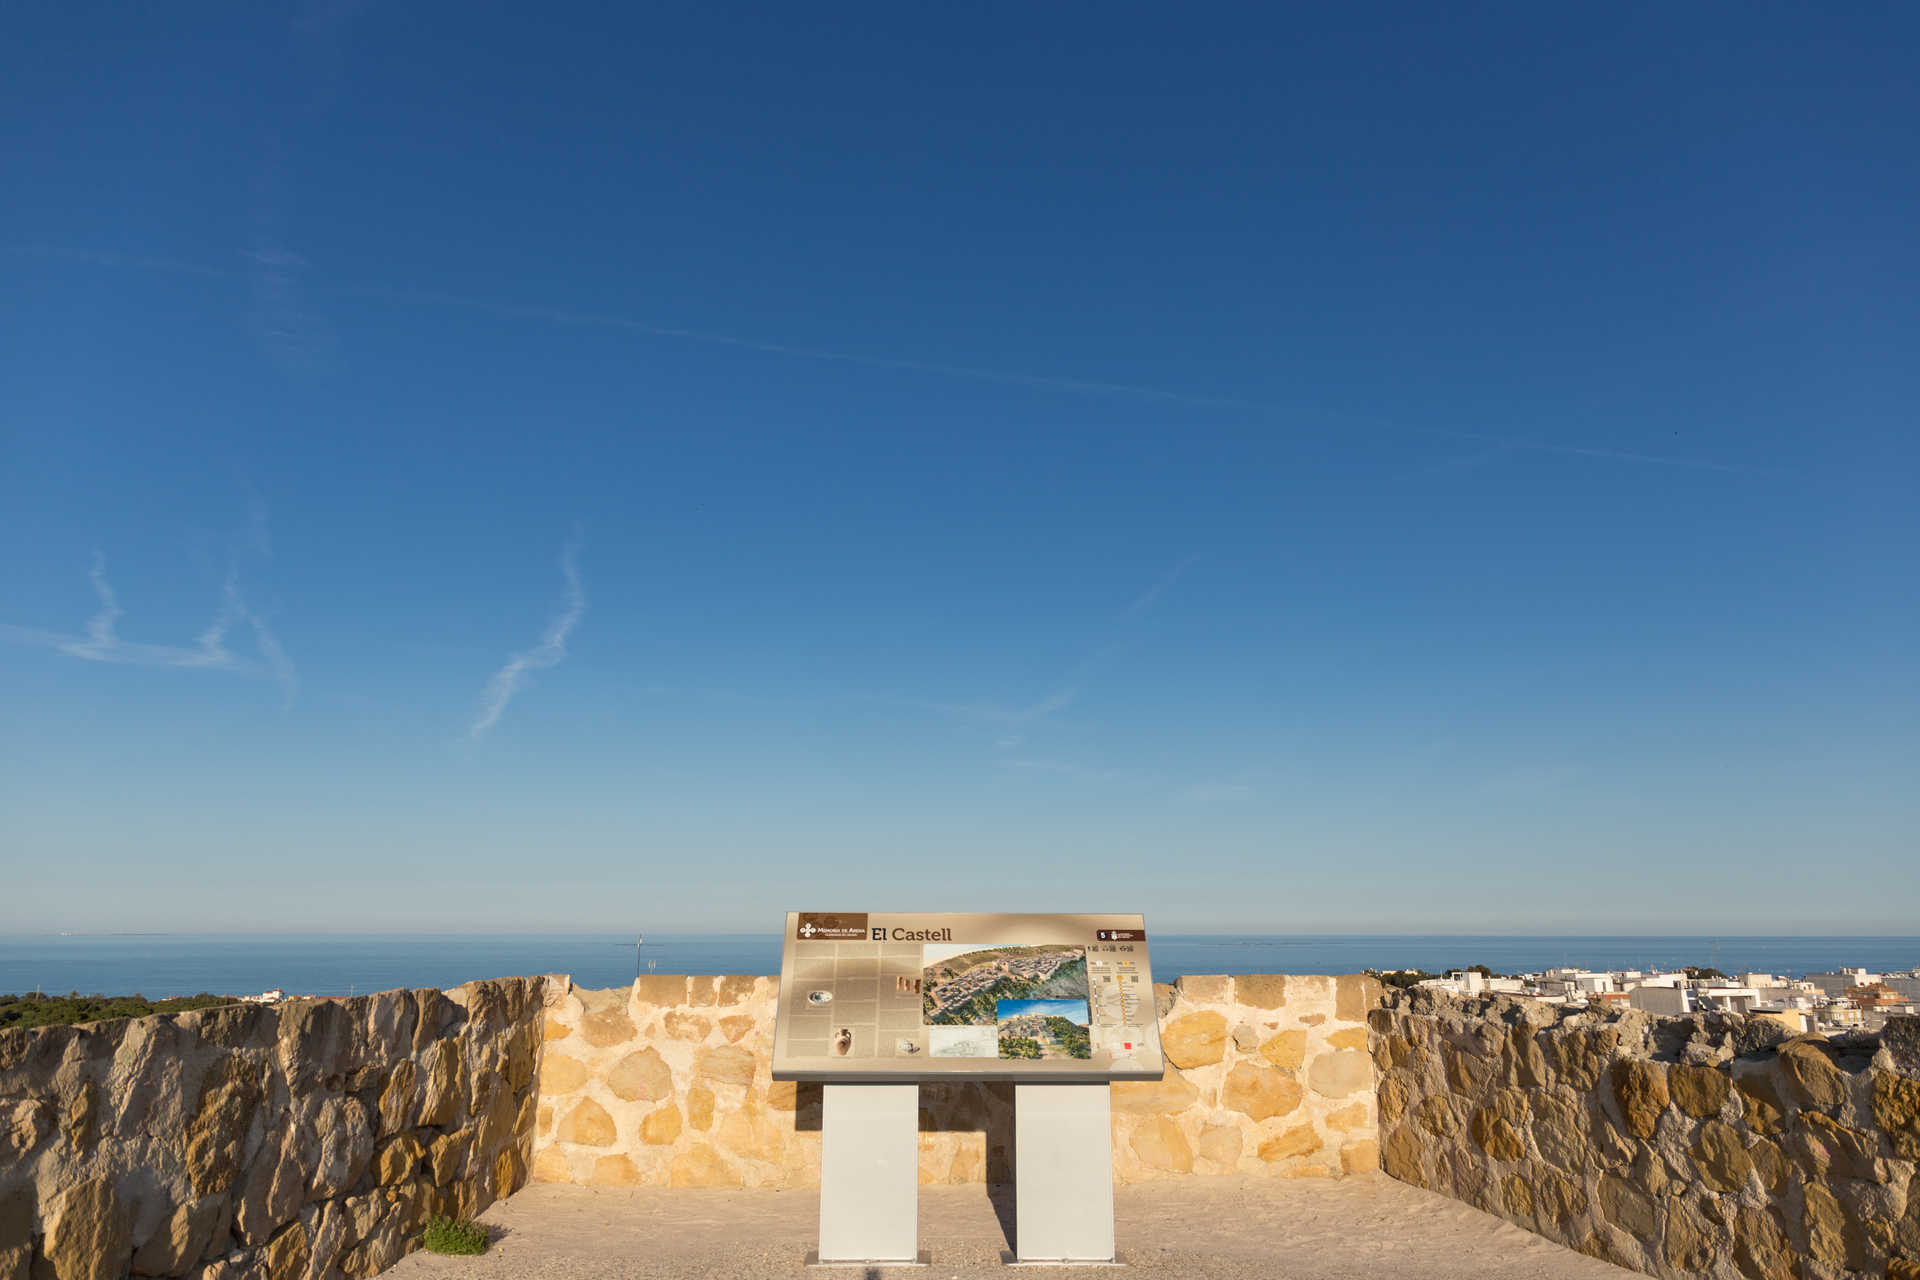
(160, 965)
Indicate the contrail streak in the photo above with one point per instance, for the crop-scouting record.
(1085, 386)
(552, 648)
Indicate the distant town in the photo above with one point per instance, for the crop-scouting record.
(1844, 1000)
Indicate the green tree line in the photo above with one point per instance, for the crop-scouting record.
(57, 1011)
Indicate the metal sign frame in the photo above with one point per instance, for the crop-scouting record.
(861, 998)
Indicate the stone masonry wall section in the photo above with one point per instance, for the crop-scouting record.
(1705, 1146)
(669, 1083)
(302, 1141)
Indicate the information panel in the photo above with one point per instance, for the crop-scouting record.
(871, 996)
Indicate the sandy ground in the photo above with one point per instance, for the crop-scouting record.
(1356, 1227)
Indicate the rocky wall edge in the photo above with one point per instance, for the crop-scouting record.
(1706, 1146)
(299, 1141)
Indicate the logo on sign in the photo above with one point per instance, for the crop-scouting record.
(832, 926)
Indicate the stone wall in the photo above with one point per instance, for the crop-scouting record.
(669, 1084)
(313, 1139)
(1701, 1146)
(292, 1142)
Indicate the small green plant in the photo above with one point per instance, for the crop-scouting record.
(455, 1235)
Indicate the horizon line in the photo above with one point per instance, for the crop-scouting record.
(779, 934)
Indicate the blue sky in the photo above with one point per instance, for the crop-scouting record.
(1287, 471)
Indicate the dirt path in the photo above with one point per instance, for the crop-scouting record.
(1215, 1227)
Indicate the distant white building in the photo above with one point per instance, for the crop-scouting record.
(1471, 982)
(1660, 999)
(1819, 999)
(1660, 980)
(1836, 983)
(1460, 982)
(1577, 985)
(1726, 999)
(1793, 997)
(1673, 993)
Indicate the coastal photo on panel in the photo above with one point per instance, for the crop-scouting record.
(1043, 1029)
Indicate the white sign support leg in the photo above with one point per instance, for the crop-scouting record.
(869, 1174)
(1063, 1173)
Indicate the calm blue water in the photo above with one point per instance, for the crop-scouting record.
(183, 964)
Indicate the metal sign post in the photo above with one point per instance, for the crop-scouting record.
(1063, 1173)
(869, 1174)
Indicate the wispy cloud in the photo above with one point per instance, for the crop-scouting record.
(96, 258)
(1241, 784)
(1070, 686)
(1019, 725)
(1144, 601)
(1541, 780)
(606, 320)
(234, 609)
(1016, 721)
(995, 713)
(100, 626)
(1085, 386)
(1212, 792)
(552, 647)
(275, 271)
(1068, 769)
(99, 640)
(1609, 455)
(275, 257)
(1461, 464)
(294, 334)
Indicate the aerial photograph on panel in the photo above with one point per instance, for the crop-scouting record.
(965, 985)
